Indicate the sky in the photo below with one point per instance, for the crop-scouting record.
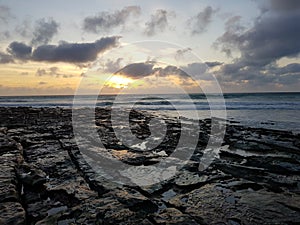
(58, 47)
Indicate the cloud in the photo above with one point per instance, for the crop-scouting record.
(4, 35)
(199, 23)
(213, 64)
(172, 70)
(5, 58)
(24, 28)
(112, 66)
(198, 70)
(106, 21)
(19, 50)
(229, 41)
(195, 68)
(5, 14)
(158, 22)
(41, 72)
(180, 53)
(53, 72)
(42, 83)
(74, 52)
(44, 31)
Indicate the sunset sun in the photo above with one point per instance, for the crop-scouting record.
(118, 81)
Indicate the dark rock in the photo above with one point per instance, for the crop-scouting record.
(12, 213)
(8, 190)
(217, 205)
(186, 179)
(172, 216)
(135, 200)
(31, 176)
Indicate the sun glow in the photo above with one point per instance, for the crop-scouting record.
(118, 81)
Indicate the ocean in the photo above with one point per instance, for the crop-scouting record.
(267, 110)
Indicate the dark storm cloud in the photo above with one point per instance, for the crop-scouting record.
(286, 5)
(78, 53)
(290, 69)
(289, 80)
(271, 38)
(200, 22)
(74, 52)
(136, 70)
(19, 50)
(213, 64)
(268, 75)
(44, 31)
(234, 73)
(5, 58)
(106, 21)
(158, 22)
(274, 35)
(139, 70)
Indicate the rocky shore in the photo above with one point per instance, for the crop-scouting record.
(44, 179)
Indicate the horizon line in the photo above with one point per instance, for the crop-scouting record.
(109, 94)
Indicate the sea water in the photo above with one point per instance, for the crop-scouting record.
(268, 110)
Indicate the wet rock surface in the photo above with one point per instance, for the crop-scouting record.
(45, 179)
